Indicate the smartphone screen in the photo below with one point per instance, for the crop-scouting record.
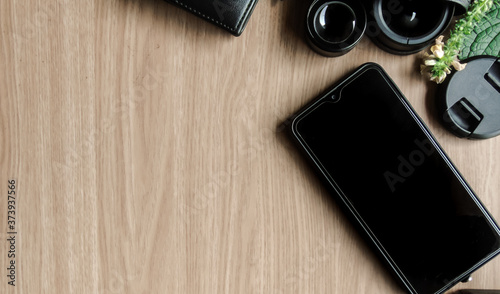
(378, 157)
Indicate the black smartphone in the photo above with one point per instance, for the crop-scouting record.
(383, 165)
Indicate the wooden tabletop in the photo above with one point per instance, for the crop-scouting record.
(146, 154)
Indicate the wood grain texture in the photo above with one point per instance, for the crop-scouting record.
(147, 157)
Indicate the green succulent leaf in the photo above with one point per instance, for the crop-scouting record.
(485, 38)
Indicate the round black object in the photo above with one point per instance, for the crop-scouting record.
(335, 27)
(469, 100)
(408, 26)
(334, 22)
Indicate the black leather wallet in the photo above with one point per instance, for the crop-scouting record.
(231, 15)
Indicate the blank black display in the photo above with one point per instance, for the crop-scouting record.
(383, 164)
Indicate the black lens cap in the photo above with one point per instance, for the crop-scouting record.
(469, 100)
(335, 27)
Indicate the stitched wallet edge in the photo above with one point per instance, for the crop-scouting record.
(235, 30)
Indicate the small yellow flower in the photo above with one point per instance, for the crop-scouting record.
(439, 40)
(437, 50)
(439, 79)
(445, 56)
(430, 62)
(457, 65)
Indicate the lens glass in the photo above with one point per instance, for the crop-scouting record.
(412, 18)
(334, 22)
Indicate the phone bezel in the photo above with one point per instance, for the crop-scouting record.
(344, 200)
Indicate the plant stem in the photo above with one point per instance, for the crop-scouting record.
(463, 28)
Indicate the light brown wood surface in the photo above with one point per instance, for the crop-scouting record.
(147, 158)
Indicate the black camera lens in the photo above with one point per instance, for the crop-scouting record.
(408, 26)
(335, 27)
(416, 18)
(334, 22)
